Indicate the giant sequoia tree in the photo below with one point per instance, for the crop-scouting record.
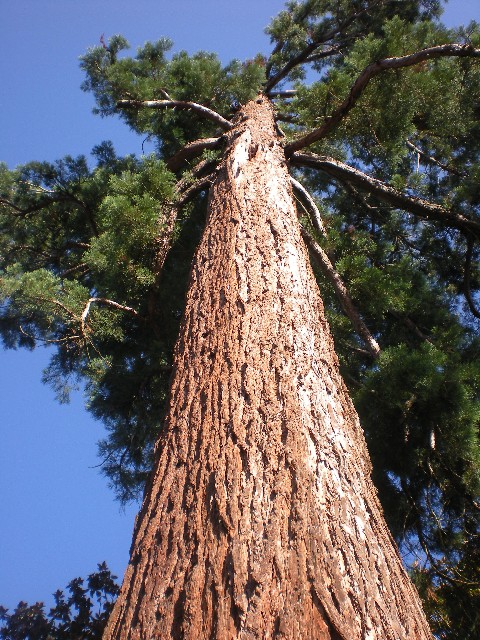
(354, 143)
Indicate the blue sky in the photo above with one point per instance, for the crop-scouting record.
(58, 516)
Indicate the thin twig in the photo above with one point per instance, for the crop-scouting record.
(46, 340)
(408, 322)
(446, 167)
(466, 278)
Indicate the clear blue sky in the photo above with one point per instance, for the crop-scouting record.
(58, 516)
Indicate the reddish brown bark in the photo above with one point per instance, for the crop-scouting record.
(260, 520)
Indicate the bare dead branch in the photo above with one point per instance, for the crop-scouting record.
(288, 117)
(209, 114)
(446, 167)
(343, 296)
(37, 188)
(419, 207)
(320, 55)
(466, 279)
(287, 93)
(372, 70)
(105, 302)
(312, 209)
(192, 150)
(109, 303)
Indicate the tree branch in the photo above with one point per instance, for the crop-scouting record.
(51, 197)
(383, 191)
(290, 118)
(192, 150)
(19, 212)
(58, 304)
(196, 187)
(162, 244)
(372, 70)
(163, 240)
(269, 65)
(46, 340)
(306, 54)
(433, 160)
(466, 279)
(434, 562)
(287, 93)
(408, 322)
(296, 61)
(108, 303)
(83, 267)
(311, 207)
(278, 47)
(209, 114)
(348, 307)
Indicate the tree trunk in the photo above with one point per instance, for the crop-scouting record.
(260, 519)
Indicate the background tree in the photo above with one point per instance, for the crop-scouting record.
(86, 263)
(83, 613)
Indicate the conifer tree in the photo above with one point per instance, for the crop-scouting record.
(356, 139)
(82, 612)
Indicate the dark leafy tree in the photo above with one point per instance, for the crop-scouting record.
(82, 613)
(377, 107)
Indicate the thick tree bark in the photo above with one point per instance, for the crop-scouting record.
(260, 519)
